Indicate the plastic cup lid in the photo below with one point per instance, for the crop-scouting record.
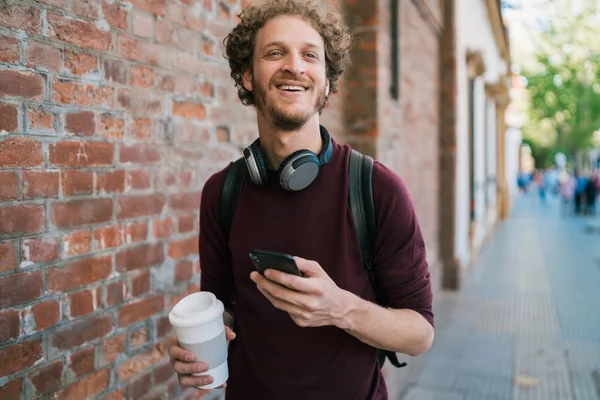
(196, 309)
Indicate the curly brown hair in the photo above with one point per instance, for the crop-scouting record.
(239, 44)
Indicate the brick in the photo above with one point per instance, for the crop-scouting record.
(81, 123)
(140, 386)
(46, 314)
(21, 288)
(10, 49)
(11, 390)
(40, 249)
(113, 347)
(79, 273)
(156, 7)
(140, 257)
(111, 127)
(85, 8)
(43, 55)
(20, 356)
(166, 178)
(184, 270)
(185, 202)
(165, 33)
(74, 182)
(80, 63)
(24, 219)
(207, 90)
(81, 331)
(80, 33)
(84, 302)
(40, 184)
(55, 3)
(139, 337)
(68, 92)
(107, 237)
(20, 152)
(111, 182)
(81, 154)
(140, 284)
(188, 39)
(82, 212)
(115, 71)
(182, 248)
(9, 118)
(163, 228)
(186, 179)
(140, 154)
(47, 379)
(9, 186)
(115, 293)
(163, 327)
(115, 395)
(142, 77)
(88, 387)
(140, 128)
(21, 84)
(188, 109)
(137, 179)
(163, 373)
(223, 135)
(10, 325)
(40, 119)
(165, 82)
(8, 257)
(114, 14)
(139, 363)
(135, 232)
(143, 52)
(83, 361)
(139, 101)
(25, 18)
(77, 243)
(143, 25)
(140, 206)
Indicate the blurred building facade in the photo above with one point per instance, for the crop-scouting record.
(113, 115)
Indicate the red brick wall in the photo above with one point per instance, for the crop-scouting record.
(112, 116)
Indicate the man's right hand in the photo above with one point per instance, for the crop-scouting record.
(185, 364)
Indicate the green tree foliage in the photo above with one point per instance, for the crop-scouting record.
(564, 79)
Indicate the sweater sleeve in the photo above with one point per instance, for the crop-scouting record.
(400, 256)
(216, 274)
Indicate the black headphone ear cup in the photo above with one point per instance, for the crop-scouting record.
(260, 163)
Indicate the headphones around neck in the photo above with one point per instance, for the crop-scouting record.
(296, 172)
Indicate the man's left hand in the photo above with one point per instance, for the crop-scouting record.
(311, 300)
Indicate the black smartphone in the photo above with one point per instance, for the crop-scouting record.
(264, 259)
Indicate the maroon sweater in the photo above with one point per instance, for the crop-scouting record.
(272, 357)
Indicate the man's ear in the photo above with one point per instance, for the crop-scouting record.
(327, 89)
(247, 79)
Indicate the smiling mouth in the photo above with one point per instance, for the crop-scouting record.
(291, 88)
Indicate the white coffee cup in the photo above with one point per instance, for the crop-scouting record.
(198, 323)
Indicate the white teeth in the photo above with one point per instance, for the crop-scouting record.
(286, 87)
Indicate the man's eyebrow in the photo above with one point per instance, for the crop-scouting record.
(281, 44)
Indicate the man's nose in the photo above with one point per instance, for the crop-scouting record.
(294, 64)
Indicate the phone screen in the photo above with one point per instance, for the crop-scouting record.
(263, 259)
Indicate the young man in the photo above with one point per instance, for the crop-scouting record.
(310, 337)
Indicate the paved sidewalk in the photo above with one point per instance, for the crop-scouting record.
(526, 325)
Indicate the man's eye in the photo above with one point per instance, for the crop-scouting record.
(275, 53)
(311, 55)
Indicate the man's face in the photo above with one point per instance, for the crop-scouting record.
(288, 80)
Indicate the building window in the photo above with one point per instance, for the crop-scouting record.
(395, 53)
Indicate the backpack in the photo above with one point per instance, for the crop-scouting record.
(360, 199)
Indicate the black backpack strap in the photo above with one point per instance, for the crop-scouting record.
(360, 198)
(230, 194)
